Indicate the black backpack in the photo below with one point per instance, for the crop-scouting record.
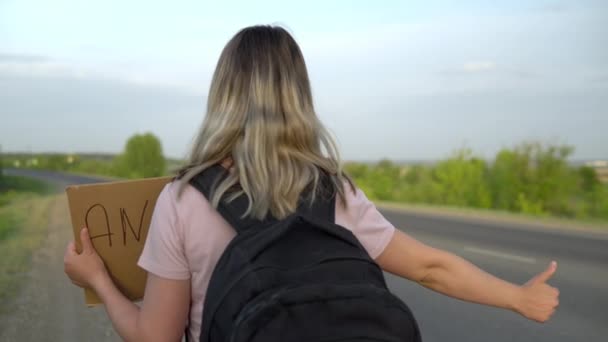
(302, 278)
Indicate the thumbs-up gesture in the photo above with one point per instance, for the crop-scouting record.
(87, 268)
(538, 299)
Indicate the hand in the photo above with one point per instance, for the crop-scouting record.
(85, 269)
(539, 300)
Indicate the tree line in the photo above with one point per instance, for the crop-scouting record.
(530, 178)
(142, 158)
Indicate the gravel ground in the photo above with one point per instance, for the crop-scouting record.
(49, 307)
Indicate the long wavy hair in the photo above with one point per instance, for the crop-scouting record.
(260, 117)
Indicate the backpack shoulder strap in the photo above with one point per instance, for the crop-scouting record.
(232, 211)
(322, 208)
(324, 205)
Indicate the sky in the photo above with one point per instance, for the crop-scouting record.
(405, 80)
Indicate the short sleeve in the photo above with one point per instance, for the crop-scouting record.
(164, 251)
(362, 217)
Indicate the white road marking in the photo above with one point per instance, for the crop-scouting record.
(507, 256)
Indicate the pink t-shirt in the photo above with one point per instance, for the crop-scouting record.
(187, 237)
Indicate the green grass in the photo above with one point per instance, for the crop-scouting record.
(12, 187)
(24, 213)
(25, 220)
(9, 223)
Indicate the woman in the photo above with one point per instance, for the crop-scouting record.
(261, 124)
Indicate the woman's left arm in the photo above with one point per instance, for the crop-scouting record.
(164, 310)
(451, 275)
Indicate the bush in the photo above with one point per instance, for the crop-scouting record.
(530, 178)
(143, 157)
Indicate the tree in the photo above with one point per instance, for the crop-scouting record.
(589, 181)
(1, 165)
(593, 193)
(461, 180)
(143, 157)
(534, 178)
(510, 177)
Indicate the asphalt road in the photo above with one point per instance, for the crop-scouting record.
(515, 253)
(58, 180)
(511, 251)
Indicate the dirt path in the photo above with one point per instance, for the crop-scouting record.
(49, 307)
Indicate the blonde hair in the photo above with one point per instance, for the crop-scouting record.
(260, 115)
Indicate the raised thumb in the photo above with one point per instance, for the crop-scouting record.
(546, 274)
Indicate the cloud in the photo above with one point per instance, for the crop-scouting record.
(489, 67)
(480, 66)
(553, 7)
(521, 73)
(22, 58)
(87, 114)
(470, 68)
(12, 64)
(600, 79)
(38, 69)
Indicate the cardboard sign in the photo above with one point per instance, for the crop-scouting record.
(118, 215)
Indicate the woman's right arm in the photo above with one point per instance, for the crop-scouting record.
(451, 275)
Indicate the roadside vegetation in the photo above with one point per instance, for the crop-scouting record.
(531, 178)
(26, 204)
(142, 158)
(24, 211)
